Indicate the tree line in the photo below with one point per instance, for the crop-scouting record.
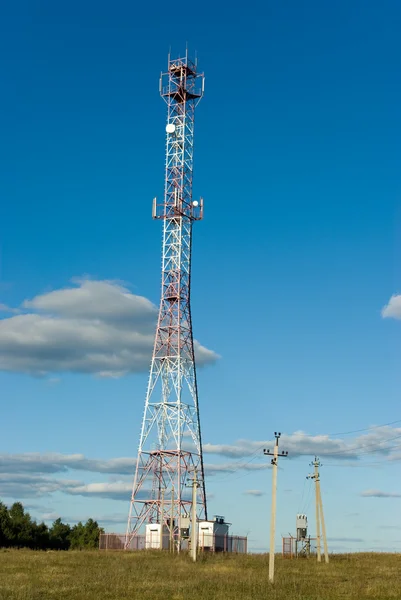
(19, 530)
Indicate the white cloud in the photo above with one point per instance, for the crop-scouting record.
(392, 310)
(52, 462)
(5, 308)
(379, 494)
(345, 539)
(118, 490)
(49, 516)
(40, 513)
(300, 443)
(23, 485)
(254, 493)
(32, 475)
(20, 486)
(247, 455)
(234, 467)
(97, 327)
(106, 301)
(107, 519)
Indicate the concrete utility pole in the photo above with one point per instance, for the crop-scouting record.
(326, 553)
(194, 523)
(319, 511)
(317, 506)
(274, 463)
(162, 518)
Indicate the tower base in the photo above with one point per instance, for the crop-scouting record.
(169, 501)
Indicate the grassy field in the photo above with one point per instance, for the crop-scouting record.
(153, 576)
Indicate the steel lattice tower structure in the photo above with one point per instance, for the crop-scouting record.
(170, 447)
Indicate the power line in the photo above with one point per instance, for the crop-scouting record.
(361, 430)
(308, 498)
(240, 464)
(302, 497)
(361, 447)
(361, 452)
(354, 430)
(239, 467)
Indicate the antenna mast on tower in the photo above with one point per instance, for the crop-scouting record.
(170, 446)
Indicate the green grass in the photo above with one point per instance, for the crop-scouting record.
(156, 576)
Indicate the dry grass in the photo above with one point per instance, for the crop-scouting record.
(26, 575)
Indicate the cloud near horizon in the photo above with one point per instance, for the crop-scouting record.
(23, 486)
(96, 327)
(54, 462)
(345, 539)
(32, 475)
(379, 494)
(300, 443)
(255, 493)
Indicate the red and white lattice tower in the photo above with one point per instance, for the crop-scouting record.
(170, 447)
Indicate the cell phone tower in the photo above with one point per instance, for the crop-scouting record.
(170, 447)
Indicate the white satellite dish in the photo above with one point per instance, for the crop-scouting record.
(170, 128)
(195, 203)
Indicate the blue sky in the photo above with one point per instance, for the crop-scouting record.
(297, 156)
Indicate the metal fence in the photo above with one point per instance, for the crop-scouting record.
(293, 548)
(116, 541)
(206, 543)
(288, 547)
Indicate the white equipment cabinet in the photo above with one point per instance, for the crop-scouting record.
(302, 527)
(213, 535)
(154, 540)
